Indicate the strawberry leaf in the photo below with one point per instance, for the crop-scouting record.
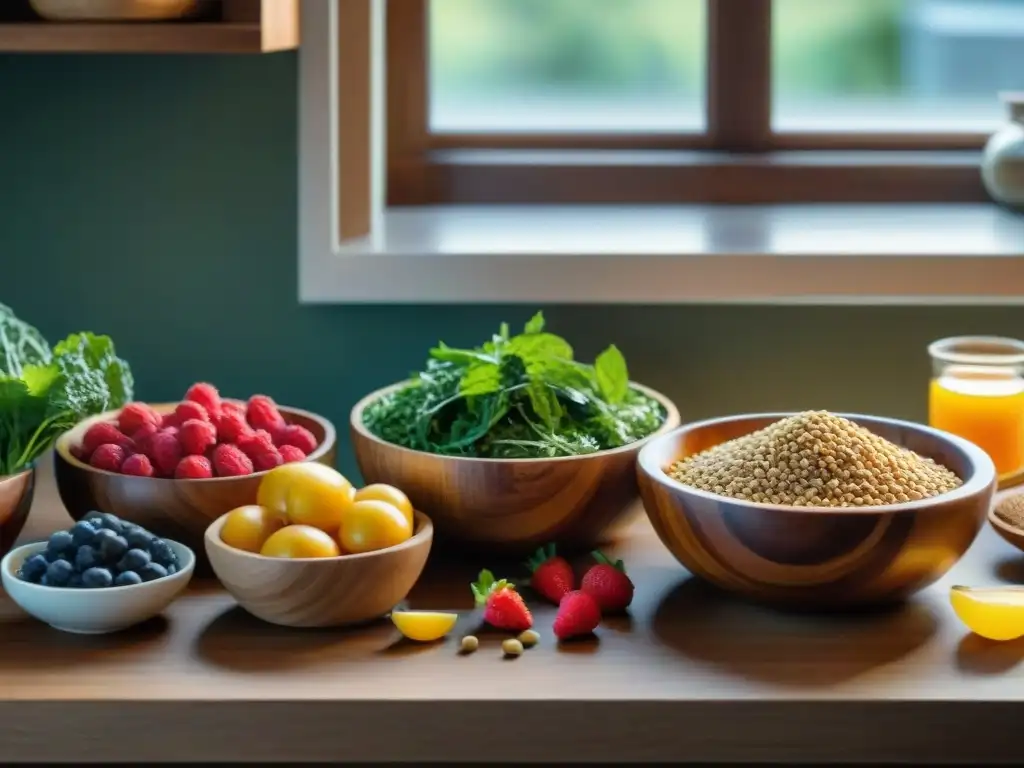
(601, 558)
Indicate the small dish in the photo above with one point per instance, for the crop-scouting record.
(321, 591)
(94, 611)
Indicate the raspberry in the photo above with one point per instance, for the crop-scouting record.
(165, 451)
(135, 416)
(193, 468)
(256, 442)
(196, 436)
(262, 413)
(142, 435)
(104, 433)
(296, 435)
(189, 410)
(109, 457)
(232, 426)
(137, 464)
(290, 453)
(229, 461)
(233, 406)
(170, 420)
(268, 458)
(207, 396)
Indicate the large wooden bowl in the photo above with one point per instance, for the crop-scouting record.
(176, 509)
(510, 505)
(16, 492)
(320, 592)
(811, 557)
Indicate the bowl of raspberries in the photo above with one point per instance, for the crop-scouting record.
(175, 467)
(101, 575)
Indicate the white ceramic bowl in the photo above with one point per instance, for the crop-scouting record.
(94, 611)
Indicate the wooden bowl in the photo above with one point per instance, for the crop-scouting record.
(16, 492)
(510, 505)
(813, 558)
(174, 509)
(1010, 534)
(325, 591)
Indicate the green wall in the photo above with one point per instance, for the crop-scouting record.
(154, 198)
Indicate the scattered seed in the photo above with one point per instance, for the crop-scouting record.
(529, 638)
(512, 647)
(469, 644)
(815, 459)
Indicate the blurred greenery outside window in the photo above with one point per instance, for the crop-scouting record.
(640, 65)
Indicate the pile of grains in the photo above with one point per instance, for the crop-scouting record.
(815, 459)
(1011, 511)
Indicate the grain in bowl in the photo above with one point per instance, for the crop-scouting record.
(815, 459)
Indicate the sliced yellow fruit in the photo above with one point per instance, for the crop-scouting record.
(996, 613)
(424, 626)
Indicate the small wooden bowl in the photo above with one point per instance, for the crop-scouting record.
(320, 592)
(510, 505)
(174, 509)
(16, 492)
(1011, 535)
(812, 558)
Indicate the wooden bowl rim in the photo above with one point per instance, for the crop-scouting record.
(982, 476)
(63, 449)
(4, 479)
(38, 546)
(670, 422)
(423, 532)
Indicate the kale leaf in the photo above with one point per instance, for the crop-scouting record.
(521, 396)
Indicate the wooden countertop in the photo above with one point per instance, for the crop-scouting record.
(692, 675)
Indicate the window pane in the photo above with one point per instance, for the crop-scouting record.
(566, 65)
(895, 65)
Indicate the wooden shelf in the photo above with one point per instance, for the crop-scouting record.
(246, 26)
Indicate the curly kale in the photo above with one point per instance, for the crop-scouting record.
(516, 397)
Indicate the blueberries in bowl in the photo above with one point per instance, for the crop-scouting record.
(100, 551)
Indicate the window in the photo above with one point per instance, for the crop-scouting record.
(413, 113)
(694, 101)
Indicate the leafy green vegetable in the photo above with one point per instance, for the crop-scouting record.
(44, 392)
(516, 397)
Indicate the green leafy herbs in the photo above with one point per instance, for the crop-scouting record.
(516, 397)
(45, 391)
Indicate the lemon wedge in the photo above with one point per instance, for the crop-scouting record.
(996, 613)
(424, 626)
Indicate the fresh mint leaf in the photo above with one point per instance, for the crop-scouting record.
(480, 379)
(612, 375)
(540, 348)
(535, 324)
(545, 404)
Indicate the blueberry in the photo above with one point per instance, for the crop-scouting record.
(60, 542)
(33, 568)
(152, 571)
(83, 532)
(133, 560)
(58, 573)
(138, 537)
(87, 557)
(127, 579)
(75, 582)
(162, 553)
(112, 547)
(44, 581)
(111, 522)
(94, 517)
(97, 578)
(172, 568)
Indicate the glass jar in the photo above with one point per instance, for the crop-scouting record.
(1002, 164)
(977, 392)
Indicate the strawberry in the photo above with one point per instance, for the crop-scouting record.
(503, 606)
(578, 614)
(552, 575)
(608, 584)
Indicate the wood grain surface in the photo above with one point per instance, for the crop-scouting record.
(510, 505)
(690, 674)
(178, 509)
(816, 557)
(325, 592)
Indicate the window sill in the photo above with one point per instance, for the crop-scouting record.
(852, 254)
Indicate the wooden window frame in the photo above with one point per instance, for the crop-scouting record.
(737, 159)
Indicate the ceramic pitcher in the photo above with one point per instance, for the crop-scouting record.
(1002, 166)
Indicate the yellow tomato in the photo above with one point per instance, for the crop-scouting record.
(995, 613)
(273, 490)
(247, 528)
(308, 493)
(388, 493)
(424, 626)
(296, 541)
(372, 525)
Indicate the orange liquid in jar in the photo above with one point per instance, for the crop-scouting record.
(985, 407)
